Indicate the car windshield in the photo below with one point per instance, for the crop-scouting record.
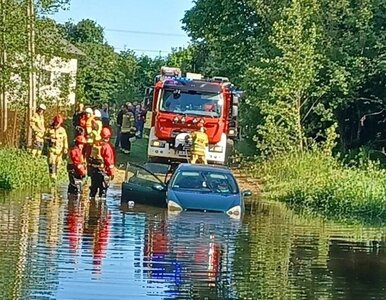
(206, 181)
(201, 104)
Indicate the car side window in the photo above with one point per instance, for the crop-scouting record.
(142, 177)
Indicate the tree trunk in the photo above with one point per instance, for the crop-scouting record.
(31, 54)
(299, 123)
(3, 99)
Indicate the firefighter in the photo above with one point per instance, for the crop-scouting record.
(76, 166)
(57, 145)
(199, 143)
(38, 130)
(119, 125)
(89, 120)
(128, 130)
(102, 162)
(97, 125)
(79, 120)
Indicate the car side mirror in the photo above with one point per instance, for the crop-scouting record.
(159, 187)
(247, 193)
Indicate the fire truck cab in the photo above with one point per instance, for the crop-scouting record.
(179, 104)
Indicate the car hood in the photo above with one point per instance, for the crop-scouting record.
(192, 200)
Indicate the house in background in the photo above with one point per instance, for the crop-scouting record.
(56, 78)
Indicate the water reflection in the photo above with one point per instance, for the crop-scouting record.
(205, 244)
(88, 228)
(58, 248)
(360, 269)
(96, 232)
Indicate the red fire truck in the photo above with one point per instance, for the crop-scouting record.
(179, 104)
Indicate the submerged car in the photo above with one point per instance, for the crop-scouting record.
(190, 187)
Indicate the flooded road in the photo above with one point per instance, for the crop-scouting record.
(54, 248)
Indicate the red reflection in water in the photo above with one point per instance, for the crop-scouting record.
(89, 221)
(75, 222)
(156, 242)
(209, 255)
(101, 240)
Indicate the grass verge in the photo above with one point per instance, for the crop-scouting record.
(321, 184)
(19, 170)
(138, 153)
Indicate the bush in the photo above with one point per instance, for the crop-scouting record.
(321, 184)
(18, 170)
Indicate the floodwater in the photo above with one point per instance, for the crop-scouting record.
(54, 248)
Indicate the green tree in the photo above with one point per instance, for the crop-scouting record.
(284, 85)
(85, 31)
(98, 75)
(187, 59)
(148, 68)
(229, 36)
(50, 6)
(226, 31)
(127, 84)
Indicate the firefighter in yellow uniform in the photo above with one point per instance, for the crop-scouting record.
(38, 130)
(199, 143)
(97, 126)
(57, 145)
(88, 133)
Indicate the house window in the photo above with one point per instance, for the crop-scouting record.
(45, 77)
(65, 80)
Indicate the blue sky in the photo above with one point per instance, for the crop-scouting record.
(141, 16)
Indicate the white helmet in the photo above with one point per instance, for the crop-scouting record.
(97, 113)
(88, 111)
(42, 107)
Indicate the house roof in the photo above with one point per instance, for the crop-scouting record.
(72, 49)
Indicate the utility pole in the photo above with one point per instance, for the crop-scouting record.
(31, 67)
(3, 99)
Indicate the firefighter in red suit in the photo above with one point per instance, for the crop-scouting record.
(101, 162)
(76, 166)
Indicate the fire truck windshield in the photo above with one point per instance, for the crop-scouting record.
(191, 103)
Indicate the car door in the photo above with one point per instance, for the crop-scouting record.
(143, 187)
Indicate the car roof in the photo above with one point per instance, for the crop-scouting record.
(199, 167)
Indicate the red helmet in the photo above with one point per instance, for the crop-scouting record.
(80, 139)
(58, 119)
(106, 133)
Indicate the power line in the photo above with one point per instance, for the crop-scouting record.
(151, 50)
(143, 50)
(145, 32)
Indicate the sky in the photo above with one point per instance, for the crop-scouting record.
(144, 17)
